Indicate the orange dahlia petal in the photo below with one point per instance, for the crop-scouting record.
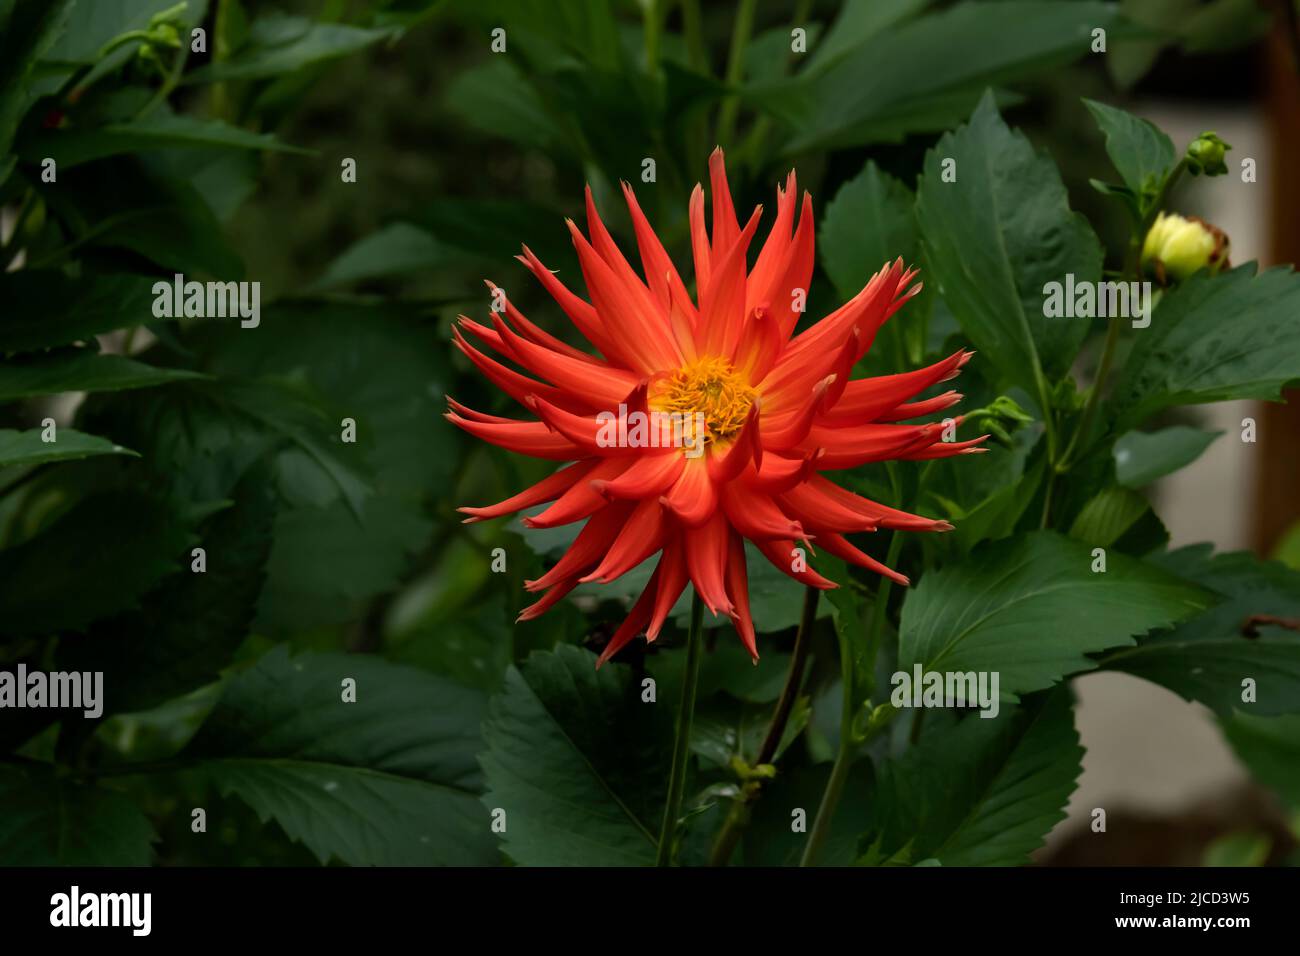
(642, 535)
(706, 562)
(672, 582)
(527, 438)
(548, 489)
(636, 621)
(648, 476)
(738, 591)
(693, 496)
(597, 384)
(582, 499)
(641, 337)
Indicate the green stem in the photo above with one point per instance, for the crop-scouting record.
(652, 21)
(843, 759)
(697, 54)
(1094, 396)
(1131, 271)
(169, 83)
(914, 735)
(793, 679)
(848, 741)
(880, 609)
(738, 816)
(751, 149)
(740, 32)
(125, 38)
(682, 743)
(1046, 517)
(220, 104)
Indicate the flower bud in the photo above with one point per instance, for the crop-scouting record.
(1177, 246)
(1205, 155)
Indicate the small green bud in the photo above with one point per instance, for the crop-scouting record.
(1205, 155)
(1177, 246)
(1000, 418)
(165, 35)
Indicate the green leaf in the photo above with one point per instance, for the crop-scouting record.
(28, 32)
(1208, 657)
(470, 644)
(326, 564)
(996, 237)
(1143, 155)
(1287, 549)
(726, 669)
(770, 840)
(188, 629)
(282, 44)
(1212, 339)
(1143, 457)
(852, 623)
(73, 146)
(723, 729)
(494, 99)
(855, 24)
(80, 370)
(119, 203)
(490, 231)
(1197, 26)
(768, 54)
(394, 250)
(928, 73)
(555, 34)
(44, 308)
(290, 414)
(96, 559)
(1270, 747)
(27, 448)
(201, 436)
(386, 780)
(46, 820)
(984, 792)
(983, 495)
(869, 223)
(1107, 516)
(576, 761)
(1031, 608)
(340, 350)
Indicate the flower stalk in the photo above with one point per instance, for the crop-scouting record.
(849, 739)
(682, 742)
(738, 816)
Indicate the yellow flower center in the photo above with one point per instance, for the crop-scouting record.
(710, 387)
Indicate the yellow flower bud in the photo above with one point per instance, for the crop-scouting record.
(1177, 246)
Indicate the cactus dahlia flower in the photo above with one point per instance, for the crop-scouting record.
(765, 411)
